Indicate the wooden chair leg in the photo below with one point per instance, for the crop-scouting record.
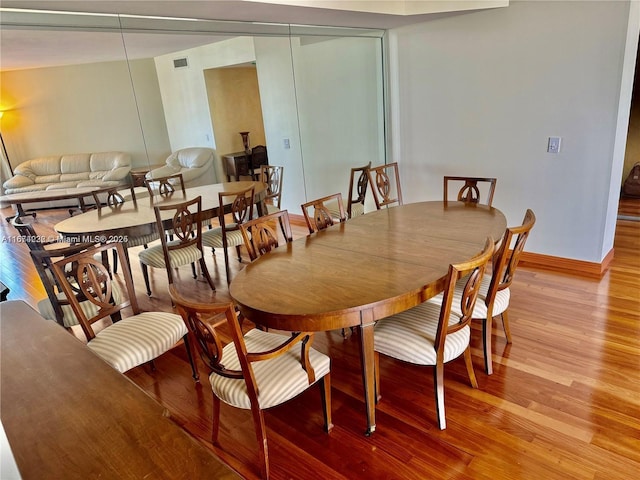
(205, 272)
(438, 386)
(215, 420)
(376, 363)
(486, 335)
(194, 365)
(239, 253)
(115, 260)
(325, 394)
(505, 325)
(469, 365)
(261, 435)
(193, 270)
(145, 274)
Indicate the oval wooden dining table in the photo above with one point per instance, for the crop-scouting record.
(357, 272)
(137, 219)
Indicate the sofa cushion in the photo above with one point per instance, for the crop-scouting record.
(75, 177)
(61, 185)
(98, 183)
(55, 178)
(19, 181)
(76, 163)
(34, 187)
(108, 161)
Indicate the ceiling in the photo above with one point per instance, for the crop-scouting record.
(30, 48)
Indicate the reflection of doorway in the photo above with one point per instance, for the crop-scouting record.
(629, 207)
(234, 103)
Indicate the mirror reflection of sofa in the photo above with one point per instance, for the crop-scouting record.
(58, 172)
(196, 164)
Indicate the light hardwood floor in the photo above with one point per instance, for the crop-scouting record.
(563, 403)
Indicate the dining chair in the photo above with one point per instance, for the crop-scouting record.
(271, 175)
(260, 235)
(317, 214)
(357, 193)
(164, 186)
(386, 191)
(258, 370)
(494, 296)
(124, 343)
(469, 191)
(113, 204)
(185, 249)
(433, 334)
(43, 253)
(228, 233)
(258, 158)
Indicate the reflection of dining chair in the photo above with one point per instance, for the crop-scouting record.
(386, 190)
(56, 306)
(470, 192)
(113, 203)
(357, 193)
(185, 249)
(493, 299)
(271, 175)
(228, 233)
(322, 217)
(164, 186)
(124, 343)
(259, 370)
(257, 160)
(434, 334)
(260, 235)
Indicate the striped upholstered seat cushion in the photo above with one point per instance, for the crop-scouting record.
(154, 257)
(138, 339)
(278, 379)
(141, 240)
(46, 308)
(356, 209)
(410, 336)
(500, 304)
(213, 238)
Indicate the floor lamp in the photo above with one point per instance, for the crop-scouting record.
(4, 149)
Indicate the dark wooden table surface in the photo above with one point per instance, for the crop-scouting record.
(67, 414)
(362, 270)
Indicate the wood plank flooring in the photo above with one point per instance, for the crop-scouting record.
(564, 401)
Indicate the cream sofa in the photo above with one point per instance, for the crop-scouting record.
(69, 171)
(196, 164)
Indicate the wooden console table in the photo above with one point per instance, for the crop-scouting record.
(236, 164)
(138, 174)
(67, 414)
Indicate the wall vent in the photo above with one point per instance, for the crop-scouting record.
(180, 63)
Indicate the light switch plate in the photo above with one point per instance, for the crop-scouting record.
(554, 144)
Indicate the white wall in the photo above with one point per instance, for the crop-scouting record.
(84, 108)
(479, 94)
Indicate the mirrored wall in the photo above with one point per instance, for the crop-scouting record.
(313, 96)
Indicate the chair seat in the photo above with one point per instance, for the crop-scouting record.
(410, 336)
(500, 304)
(213, 238)
(138, 339)
(278, 379)
(141, 240)
(356, 209)
(90, 309)
(154, 257)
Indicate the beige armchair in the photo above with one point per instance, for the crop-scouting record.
(196, 164)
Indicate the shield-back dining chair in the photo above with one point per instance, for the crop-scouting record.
(434, 334)
(495, 294)
(358, 183)
(228, 233)
(385, 185)
(272, 175)
(318, 216)
(124, 343)
(469, 191)
(260, 235)
(259, 370)
(186, 249)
